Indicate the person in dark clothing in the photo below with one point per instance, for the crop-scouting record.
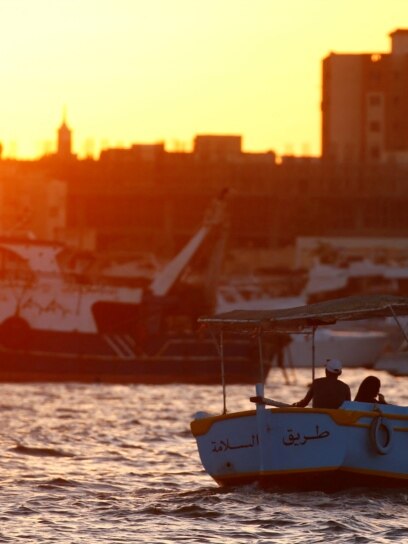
(369, 391)
(328, 392)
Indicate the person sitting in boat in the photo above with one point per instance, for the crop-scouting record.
(328, 392)
(369, 391)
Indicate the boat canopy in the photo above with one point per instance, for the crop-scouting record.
(309, 316)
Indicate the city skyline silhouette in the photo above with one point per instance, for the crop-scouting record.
(129, 72)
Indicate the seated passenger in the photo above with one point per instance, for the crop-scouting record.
(328, 392)
(369, 391)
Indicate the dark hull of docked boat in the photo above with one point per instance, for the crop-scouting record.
(92, 358)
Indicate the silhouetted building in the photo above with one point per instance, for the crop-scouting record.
(135, 153)
(144, 198)
(64, 141)
(216, 147)
(365, 105)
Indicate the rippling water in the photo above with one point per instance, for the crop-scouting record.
(114, 464)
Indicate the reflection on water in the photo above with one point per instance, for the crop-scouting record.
(114, 464)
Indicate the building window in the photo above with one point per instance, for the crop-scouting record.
(375, 152)
(374, 126)
(53, 211)
(375, 76)
(374, 100)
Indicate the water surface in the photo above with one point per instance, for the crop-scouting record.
(118, 464)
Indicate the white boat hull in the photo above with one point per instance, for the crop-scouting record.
(305, 447)
(353, 348)
(394, 363)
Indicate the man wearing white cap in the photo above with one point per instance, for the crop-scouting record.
(328, 392)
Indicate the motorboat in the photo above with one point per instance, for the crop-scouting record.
(358, 344)
(355, 347)
(355, 277)
(395, 362)
(276, 444)
(280, 288)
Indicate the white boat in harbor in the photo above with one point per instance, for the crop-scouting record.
(357, 344)
(395, 362)
(355, 277)
(279, 444)
(355, 348)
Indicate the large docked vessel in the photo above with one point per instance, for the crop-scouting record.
(57, 326)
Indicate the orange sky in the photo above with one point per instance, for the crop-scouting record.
(142, 71)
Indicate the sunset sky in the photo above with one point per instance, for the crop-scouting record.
(143, 71)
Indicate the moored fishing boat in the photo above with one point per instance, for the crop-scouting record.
(56, 326)
(395, 362)
(355, 347)
(279, 444)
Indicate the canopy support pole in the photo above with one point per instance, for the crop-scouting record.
(224, 389)
(220, 348)
(313, 352)
(261, 365)
(290, 363)
(394, 315)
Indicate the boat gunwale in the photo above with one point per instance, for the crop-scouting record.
(342, 417)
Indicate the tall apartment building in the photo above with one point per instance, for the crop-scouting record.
(365, 105)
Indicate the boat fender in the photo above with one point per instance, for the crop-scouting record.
(381, 435)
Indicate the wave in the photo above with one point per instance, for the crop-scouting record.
(39, 451)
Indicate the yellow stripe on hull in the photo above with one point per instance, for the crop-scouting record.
(342, 417)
